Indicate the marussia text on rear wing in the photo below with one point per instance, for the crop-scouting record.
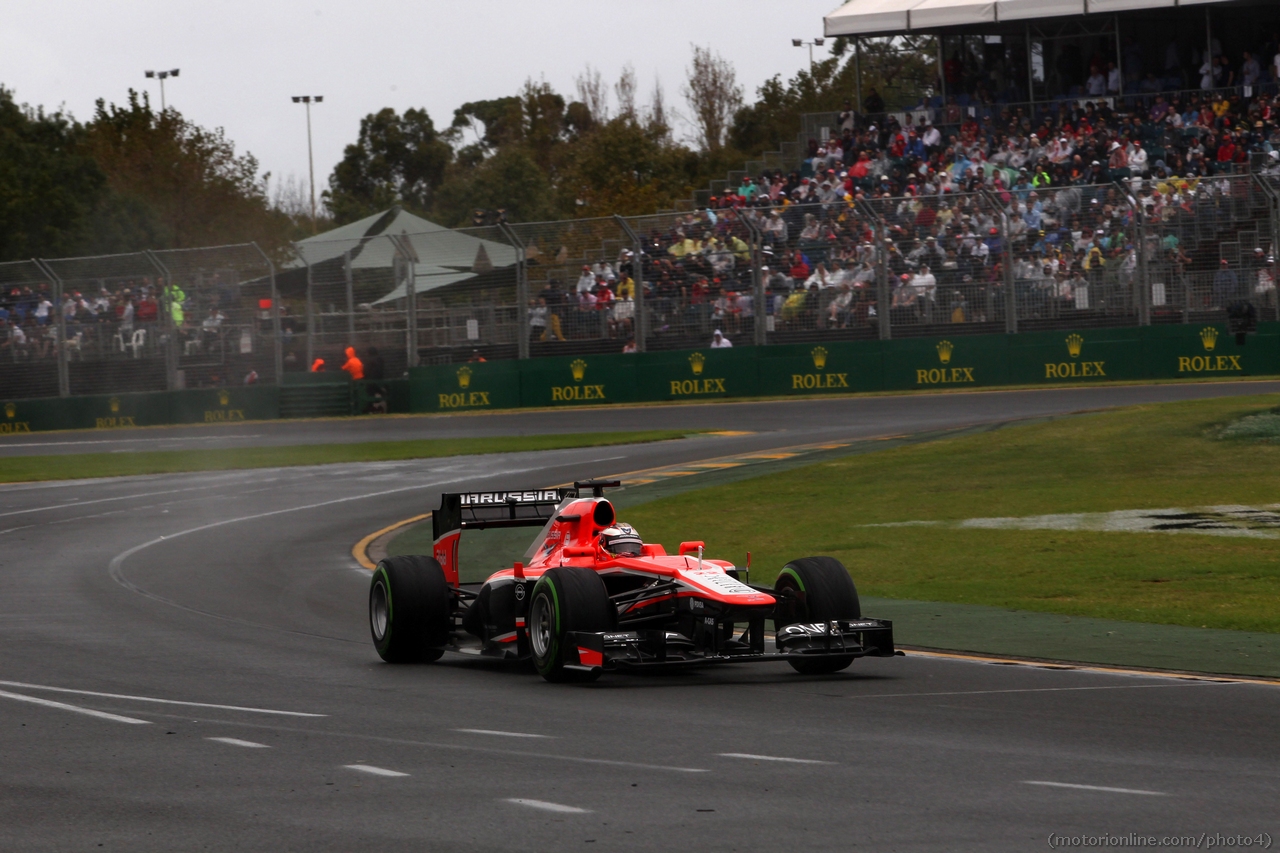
(480, 510)
(461, 511)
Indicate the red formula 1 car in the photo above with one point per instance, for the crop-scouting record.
(589, 595)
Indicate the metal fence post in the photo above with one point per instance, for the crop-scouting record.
(166, 299)
(64, 374)
(883, 296)
(1143, 294)
(760, 309)
(275, 317)
(351, 307)
(1010, 282)
(1272, 195)
(637, 278)
(311, 325)
(522, 290)
(404, 252)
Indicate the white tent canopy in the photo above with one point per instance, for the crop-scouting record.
(442, 256)
(887, 17)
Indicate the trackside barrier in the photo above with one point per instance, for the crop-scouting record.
(836, 367)
(1030, 358)
(156, 408)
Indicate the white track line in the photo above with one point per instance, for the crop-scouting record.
(375, 771)
(89, 712)
(498, 733)
(1098, 788)
(235, 741)
(78, 504)
(1184, 683)
(114, 567)
(751, 757)
(158, 701)
(548, 807)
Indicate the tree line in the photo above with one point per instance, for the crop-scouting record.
(133, 177)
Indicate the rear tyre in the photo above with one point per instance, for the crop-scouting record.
(816, 589)
(409, 609)
(566, 599)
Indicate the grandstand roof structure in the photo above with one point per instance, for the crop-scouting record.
(897, 17)
(442, 256)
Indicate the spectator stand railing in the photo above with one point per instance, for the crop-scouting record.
(232, 324)
(578, 281)
(1001, 259)
(34, 363)
(116, 323)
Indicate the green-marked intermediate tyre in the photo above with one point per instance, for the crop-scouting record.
(409, 609)
(816, 589)
(566, 599)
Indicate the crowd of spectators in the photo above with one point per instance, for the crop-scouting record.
(125, 317)
(1059, 202)
(1070, 143)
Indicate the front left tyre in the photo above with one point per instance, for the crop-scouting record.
(816, 589)
(566, 599)
(410, 609)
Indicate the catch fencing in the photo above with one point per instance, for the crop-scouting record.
(999, 260)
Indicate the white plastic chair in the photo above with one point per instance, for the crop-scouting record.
(138, 341)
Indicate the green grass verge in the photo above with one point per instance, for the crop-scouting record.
(76, 466)
(1145, 457)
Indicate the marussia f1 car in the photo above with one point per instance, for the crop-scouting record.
(590, 596)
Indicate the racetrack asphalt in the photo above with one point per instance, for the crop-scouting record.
(806, 419)
(236, 593)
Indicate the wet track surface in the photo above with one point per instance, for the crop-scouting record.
(234, 598)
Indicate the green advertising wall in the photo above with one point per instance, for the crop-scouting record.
(838, 367)
(156, 408)
(841, 367)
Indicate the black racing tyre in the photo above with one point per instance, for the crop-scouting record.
(816, 589)
(409, 609)
(566, 599)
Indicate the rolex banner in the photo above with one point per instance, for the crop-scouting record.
(1094, 355)
(467, 387)
(827, 368)
(689, 376)
(581, 380)
(953, 363)
(224, 405)
(1210, 351)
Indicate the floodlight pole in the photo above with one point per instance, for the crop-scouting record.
(810, 43)
(162, 76)
(311, 163)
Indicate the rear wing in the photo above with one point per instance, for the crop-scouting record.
(530, 508)
(461, 511)
(481, 510)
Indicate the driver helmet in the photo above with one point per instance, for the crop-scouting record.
(621, 540)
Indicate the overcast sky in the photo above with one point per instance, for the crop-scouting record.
(241, 61)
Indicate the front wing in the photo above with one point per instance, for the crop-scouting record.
(610, 650)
